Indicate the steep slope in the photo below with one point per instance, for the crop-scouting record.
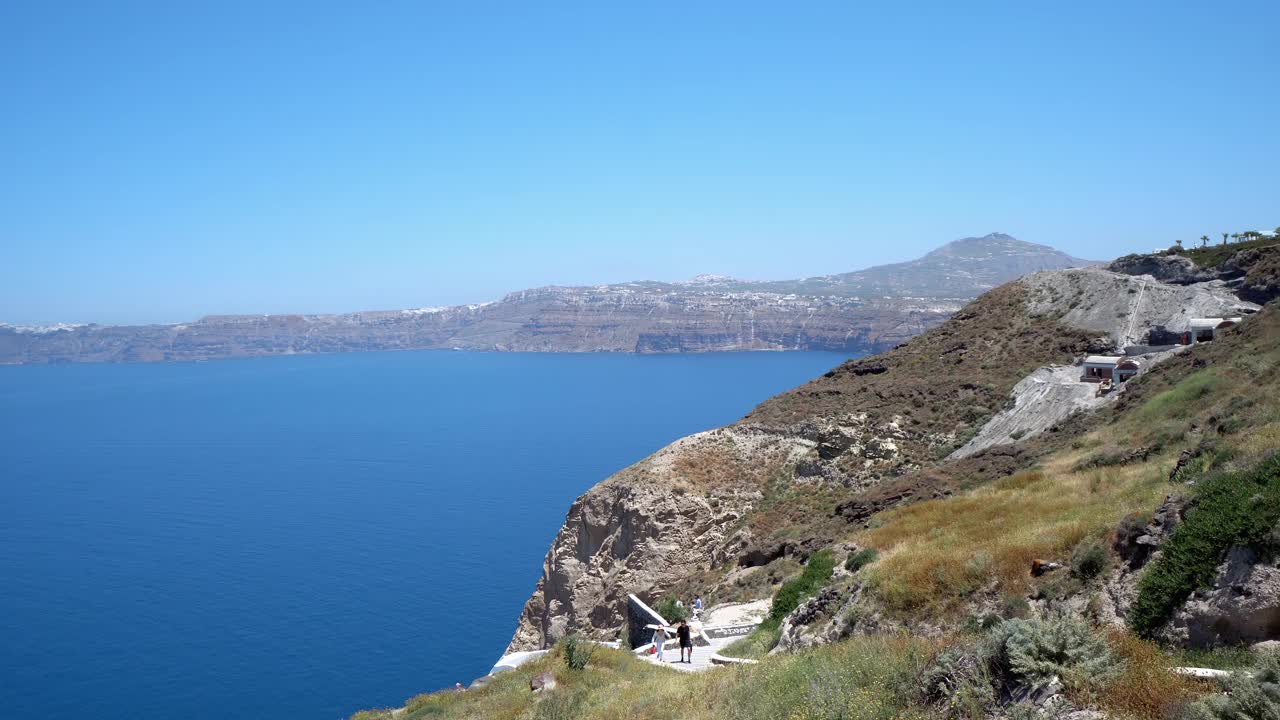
(1155, 515)
(809, 467)
(860, 312)
(731, 498)
(1131, 312)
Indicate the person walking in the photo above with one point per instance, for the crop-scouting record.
(659, 640)
(686, 641)
(697, 607)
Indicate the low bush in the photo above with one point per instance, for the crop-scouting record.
(1250, 696)
(1088, 560)
(577, 653)
(671, 610)
(1014, 606)
(816, 574)
(958, 683)
(857, 560)
(1034, 652)
(1231, 508)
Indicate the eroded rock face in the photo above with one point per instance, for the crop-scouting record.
(1175, 269)
(1137, 545)
(1261, 281)
(648, 526)
(1242, 607)
(1127, 307)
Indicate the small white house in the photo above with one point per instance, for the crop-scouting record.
(1115, 368)
(1204, 329)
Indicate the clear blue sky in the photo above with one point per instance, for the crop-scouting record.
(159, 162)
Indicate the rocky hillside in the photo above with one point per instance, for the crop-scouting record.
(723, 512)
(869, 311)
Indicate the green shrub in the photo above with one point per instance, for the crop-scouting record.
(860, 559)
(1231, 508)
(671, 611)
(1033, 652)
(1250, 696)
(755, 645)
(577, 653)
(958, 683)
(816, 573)
(1088, 560)
(1015, 606)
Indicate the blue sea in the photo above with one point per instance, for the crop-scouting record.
(303, 537)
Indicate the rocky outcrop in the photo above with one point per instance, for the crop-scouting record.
(1127, 308)
(1136, 543)
(1176, 269)
(1261, 280)
(1252, 273)
(1241, 607)
(668, 517)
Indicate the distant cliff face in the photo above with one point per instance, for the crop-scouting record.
(863, 312)
(619, 318)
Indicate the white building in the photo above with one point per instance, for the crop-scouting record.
(1204, 329)
(1116, 368)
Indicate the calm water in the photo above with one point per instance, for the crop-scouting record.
(303, 537)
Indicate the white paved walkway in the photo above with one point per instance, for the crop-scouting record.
(701, 655)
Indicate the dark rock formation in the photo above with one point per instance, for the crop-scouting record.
(1176, 269)
(1253, 273)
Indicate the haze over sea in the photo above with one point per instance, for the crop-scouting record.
(306, 536)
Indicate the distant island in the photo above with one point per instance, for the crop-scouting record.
(865, 311)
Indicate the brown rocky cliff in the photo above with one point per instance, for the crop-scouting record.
(648, 527)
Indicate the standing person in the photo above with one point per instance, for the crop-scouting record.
(660, 640)
(697, 607)
(686, 642)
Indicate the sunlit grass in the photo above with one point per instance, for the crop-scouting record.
(937, 554)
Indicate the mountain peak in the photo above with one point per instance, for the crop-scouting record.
(990, 244)
(963, 268)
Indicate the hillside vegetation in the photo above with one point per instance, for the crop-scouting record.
(938, 555)
(1046, 576)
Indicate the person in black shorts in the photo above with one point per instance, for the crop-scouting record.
(686, 641)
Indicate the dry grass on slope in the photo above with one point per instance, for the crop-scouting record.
(940, 555)
(937, 556)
